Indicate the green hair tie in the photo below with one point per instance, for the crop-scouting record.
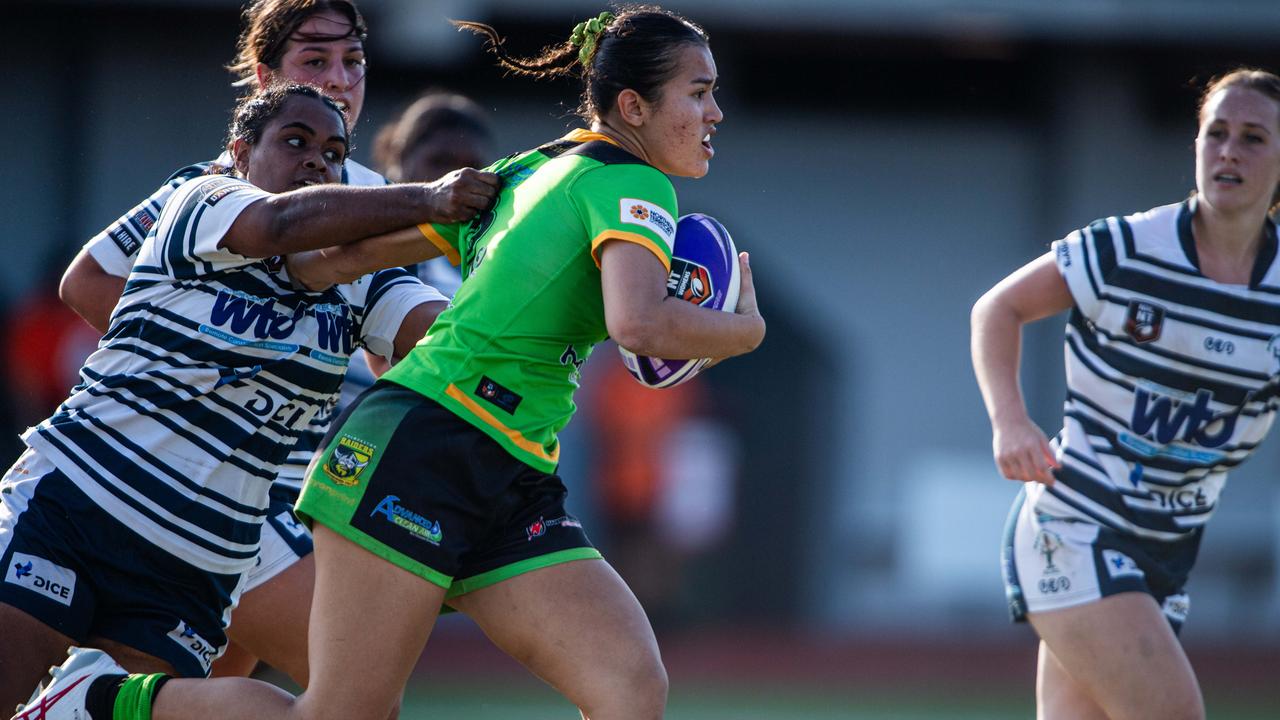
(586, 35)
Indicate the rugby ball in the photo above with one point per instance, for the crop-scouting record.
(704, 271)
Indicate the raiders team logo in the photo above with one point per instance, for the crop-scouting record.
(689, 281)
(1144, 321)
(348, 460)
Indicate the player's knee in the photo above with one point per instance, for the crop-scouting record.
(1174, 704)
(637, 691)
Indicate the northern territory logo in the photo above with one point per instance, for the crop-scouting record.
(689, 281)
(646, 214)
(348, 459)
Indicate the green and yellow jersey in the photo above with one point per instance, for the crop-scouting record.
(506, 355)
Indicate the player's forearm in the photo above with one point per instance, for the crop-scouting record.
(318, 269)
(996, 349)
(322, 217)
(677, 329)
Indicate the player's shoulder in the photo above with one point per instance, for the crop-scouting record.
(629, 179)
(1158, 221)
(192, 171)
(1156, 231)
(205, 190)
(353, 173)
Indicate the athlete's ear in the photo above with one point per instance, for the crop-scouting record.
(632, 108)
(264, 74)
(239, 150)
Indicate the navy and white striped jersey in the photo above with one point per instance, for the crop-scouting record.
(1171, 377)
(212, 368)
(116, 247)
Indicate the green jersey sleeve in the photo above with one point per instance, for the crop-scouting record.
(446, 238)
(633, 203)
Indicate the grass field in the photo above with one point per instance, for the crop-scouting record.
(751, 674)
(502, 700)
(755, 674)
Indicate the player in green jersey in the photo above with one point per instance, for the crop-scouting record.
(437, 487)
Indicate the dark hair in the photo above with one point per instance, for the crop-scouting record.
(270, 24)
(637, 51)
(432, 113)
(253, 112)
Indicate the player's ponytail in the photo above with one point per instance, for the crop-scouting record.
(635, 49)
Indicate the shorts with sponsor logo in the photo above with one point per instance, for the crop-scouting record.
(411, 482)
(80, 571)
(285, 540)
(1052, 563)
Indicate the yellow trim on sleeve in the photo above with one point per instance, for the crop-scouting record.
(636, 238)
(582, 135)
(441, 244)
(512, 434)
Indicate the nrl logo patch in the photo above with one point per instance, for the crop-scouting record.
(1144, 321)
(348, 460)
(689, 281)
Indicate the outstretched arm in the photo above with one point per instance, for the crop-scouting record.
(319, 269)
(327, 215)
(1032, 292)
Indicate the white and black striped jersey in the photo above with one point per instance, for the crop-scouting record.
(212, 368)
(1171, 377)
(116, 247)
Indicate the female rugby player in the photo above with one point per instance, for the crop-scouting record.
(133, 518)
(321, 43)
(1173, 360)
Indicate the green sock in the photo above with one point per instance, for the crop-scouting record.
(137, 692)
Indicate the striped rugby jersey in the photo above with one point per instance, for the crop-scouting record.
(212, 368)
(116, 247)
(1171, 377)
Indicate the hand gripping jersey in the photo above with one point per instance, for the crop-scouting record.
(506, 355)
(1171, 377)
(212, 368)
(116, 247)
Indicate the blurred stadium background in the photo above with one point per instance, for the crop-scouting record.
(827, 546)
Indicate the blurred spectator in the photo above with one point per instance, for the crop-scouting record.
(664, 474)
(436, 134)
(46, 343)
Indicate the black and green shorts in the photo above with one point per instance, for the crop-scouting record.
(411, 482)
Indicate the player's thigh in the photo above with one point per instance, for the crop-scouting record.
(1123, 653)
(235, 661)
(579, 627)
(271, 620)
(29, 648)
(1058, 695)
(369, 622)
(47, 603)
(130, 658)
